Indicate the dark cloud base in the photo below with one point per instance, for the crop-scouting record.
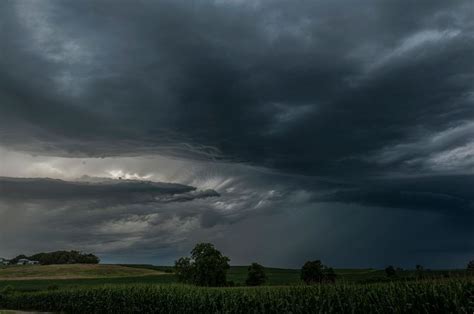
(111, 191)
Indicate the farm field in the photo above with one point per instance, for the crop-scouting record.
(155, 289)
(34, 278)
(73, 271)
(452, 295)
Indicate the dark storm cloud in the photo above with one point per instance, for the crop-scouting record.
(100, 215)
(110, 191)
(451, 195)
(304, 87)
(139, 221)
(366, 106)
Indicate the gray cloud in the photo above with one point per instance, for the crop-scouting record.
(110, 191)
(276, 106)
(279, 224)
(256, 87)
(451, 195)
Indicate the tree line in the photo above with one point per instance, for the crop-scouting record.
(208, 267)
(59, 257)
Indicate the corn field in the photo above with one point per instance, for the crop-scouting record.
(431, 296)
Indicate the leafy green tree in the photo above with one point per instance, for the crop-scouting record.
(65, 257)
(15, 260)
(419, 271)
(256, 275)
(312, 272)
(315, 272)
(470, 266)
(329, 274)
(390, 271)
(210, 266)
(184, 270)
(60, 257)
(206, 267)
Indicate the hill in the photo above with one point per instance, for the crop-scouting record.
(72, 271)
(34, 278)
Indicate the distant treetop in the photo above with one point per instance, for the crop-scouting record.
(59, 257)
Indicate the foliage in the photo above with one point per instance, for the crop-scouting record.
(470, 266)
(419, 271)
(7, 289)
(210, 266)
(315, 272)
(60, 257)
(256, 275)
(184, 270)
(427, 296)
(206, 266)
(329, 274)
(390, 271)
(15, 260)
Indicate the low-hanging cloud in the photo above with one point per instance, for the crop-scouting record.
(108, 190)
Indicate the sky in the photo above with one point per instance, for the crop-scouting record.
(281, 131)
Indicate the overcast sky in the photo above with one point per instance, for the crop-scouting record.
(281, 131)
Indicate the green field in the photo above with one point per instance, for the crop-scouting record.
(455, 295)
(146, 289)
(72, 271)
(73, 276)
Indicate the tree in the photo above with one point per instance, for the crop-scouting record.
(329, 275)
(15, 260)
(419, 271)
(65, 257)
(390, 271)
(470, 266)
(312, 272)
(206, 267)
(315, 272)
(184, 270)
(59, 257)
(210, 266)
(256, 275)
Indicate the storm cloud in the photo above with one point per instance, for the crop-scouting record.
(251, 113)
(126, 191)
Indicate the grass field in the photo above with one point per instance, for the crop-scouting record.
(75, 271)
(34, 278)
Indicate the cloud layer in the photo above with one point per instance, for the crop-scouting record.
(316, 108)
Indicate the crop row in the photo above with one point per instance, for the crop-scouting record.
(433, 296)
